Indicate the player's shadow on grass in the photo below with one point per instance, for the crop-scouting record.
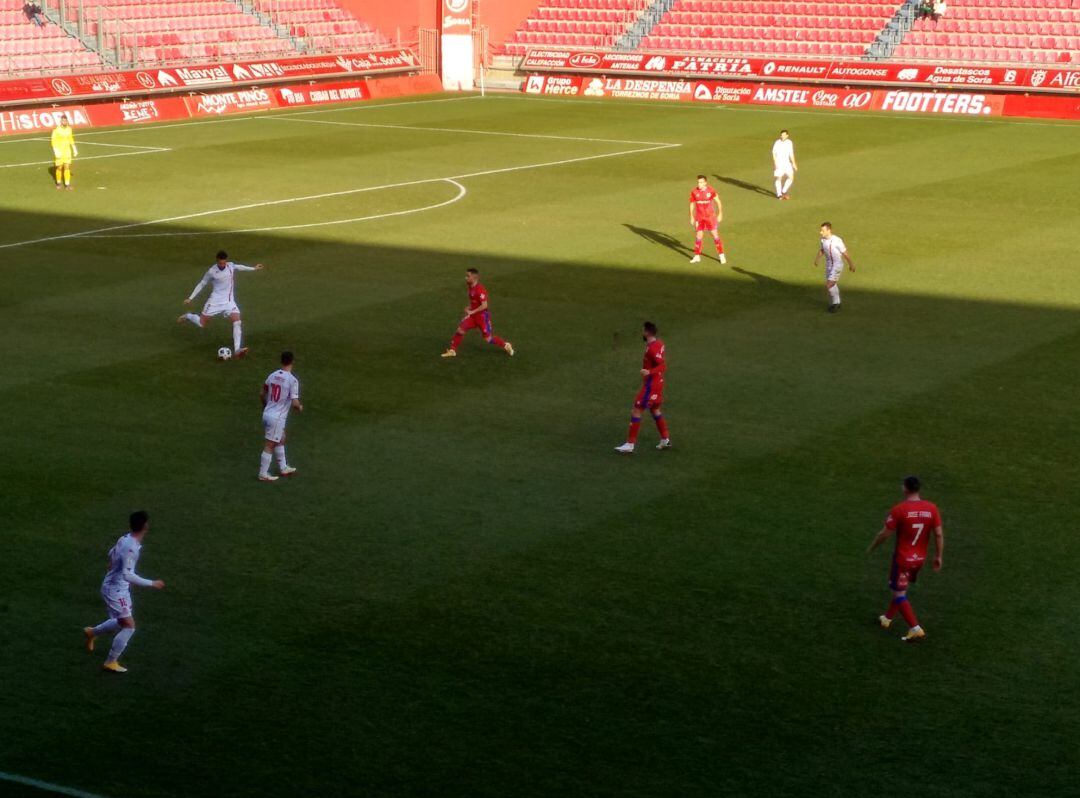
(663, 239)
(734, 181)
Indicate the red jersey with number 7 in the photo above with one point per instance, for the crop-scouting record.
(914, 521)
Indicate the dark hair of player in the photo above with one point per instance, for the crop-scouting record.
(912, 484)
(784, 131)
(649, 328)
(138, 520)
(702, 177)
(286, 358)
(827, 224)
(471, 270)
(222, 255)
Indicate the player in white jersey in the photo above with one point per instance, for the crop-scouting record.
(280, 393)
(835, 252)
(784, 166)
(222, 301)
(116, 590)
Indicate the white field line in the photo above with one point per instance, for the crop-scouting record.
(292, 118)
(125, 146)
(462, 191)
(55, 789)
(89, 158)
(347, 192)
(89, 143)
(82, 133)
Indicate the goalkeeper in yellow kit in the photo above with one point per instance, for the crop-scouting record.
(64, 150)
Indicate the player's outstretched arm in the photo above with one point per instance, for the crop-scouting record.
(133, 578)
(939, 547)
(158, 584)
(880, 538)
(242, 268)
(198, 288)
(850, 262)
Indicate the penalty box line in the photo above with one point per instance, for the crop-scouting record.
(44, 786)
(138, 149)
(293, 118)
(97, 232)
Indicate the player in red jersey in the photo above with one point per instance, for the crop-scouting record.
(651, 395)
(912, 521)
(706, 213)
(477, 316)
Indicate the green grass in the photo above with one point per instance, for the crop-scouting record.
(465, 592)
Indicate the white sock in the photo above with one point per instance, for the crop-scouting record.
(787, 185)
(119, 643)
(236, 336)
(264, 464)
(834, 295)
(106, 627)
(196, 320)
(279, 450)
(778, 190)
(916, 628)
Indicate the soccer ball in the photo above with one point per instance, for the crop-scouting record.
(224, 353)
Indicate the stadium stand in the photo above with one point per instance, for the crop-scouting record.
(840, 28)
(170, 31)
(322, 25)
(989, 31)
(576, 23)
(27, 48)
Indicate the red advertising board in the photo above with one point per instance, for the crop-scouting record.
(206, 76)
(32, 120)
(230, 102)
(795, 95)
(848, 72)
(160, 109)
(321, 93)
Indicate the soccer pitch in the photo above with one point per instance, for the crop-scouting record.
(465, 591)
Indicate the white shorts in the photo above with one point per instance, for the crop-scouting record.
(118, 604)
(220, 308)
(274, 427)
(832, 273)
(784, 171)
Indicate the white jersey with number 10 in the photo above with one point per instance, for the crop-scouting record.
(281, 388)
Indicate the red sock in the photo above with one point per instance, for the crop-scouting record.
(631, 434)
(719, 245)
(697, 246)
(907, 612)
(890, 613)
(497, 341)
(455, 342)
(661, 426)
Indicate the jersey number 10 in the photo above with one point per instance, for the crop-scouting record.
(275, 393)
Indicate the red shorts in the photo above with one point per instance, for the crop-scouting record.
(904, 573)
(481, 321)
(651, 395)
(706, 225)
